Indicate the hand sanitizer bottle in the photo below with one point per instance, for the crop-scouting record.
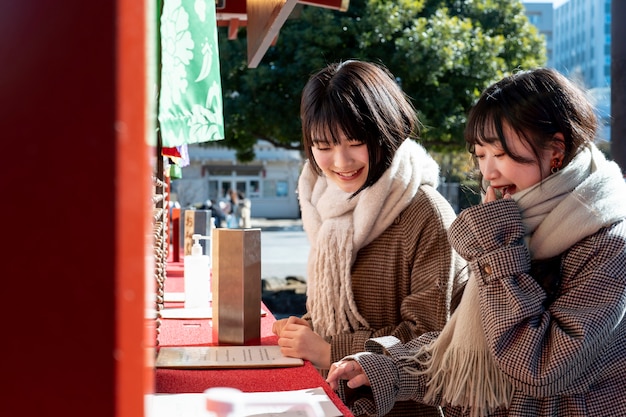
(197, 276)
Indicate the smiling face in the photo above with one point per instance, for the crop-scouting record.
(346, 164)
(509, 175)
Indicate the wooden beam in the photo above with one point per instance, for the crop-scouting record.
(341, 5)
(265, 18)
(233, 28)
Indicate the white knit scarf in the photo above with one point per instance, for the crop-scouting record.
(338, 227)
(585, 196)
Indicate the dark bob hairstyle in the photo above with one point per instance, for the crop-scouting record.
(362, 101)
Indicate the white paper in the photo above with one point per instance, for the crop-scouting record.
(192, 313)
(174, 297)
(194, 404)
(187, 313)
(201, 357)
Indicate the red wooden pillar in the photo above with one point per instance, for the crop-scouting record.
(76, 271)
(135, 331)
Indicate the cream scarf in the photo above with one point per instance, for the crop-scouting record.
(338, 227)
(565, 208)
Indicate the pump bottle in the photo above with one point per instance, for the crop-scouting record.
(197, 276)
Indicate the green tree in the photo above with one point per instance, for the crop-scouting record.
(443, 52)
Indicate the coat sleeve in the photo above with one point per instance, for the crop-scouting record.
(390, 369)
(553, 349)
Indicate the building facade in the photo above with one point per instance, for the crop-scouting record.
(578, 41)
(582, 51)
(582, 41)
(270, 181)
(578, 38)
(541, 16)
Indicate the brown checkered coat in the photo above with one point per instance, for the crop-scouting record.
(564, 359)
(402, 282)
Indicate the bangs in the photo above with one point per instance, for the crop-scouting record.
(325, 131)
(479, 122)
(330, 121)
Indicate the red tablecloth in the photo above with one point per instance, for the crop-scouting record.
(179, 332)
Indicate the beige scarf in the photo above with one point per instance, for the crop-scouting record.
(338, 227)
(565, 208)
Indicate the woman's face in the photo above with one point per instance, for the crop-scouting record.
(503, 172)
(346, 164)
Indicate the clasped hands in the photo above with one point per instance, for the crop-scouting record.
(297, 340)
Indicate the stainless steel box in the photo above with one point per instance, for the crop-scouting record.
(236, 286)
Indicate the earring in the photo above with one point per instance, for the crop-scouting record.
(555, 166)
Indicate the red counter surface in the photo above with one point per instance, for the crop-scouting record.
(198, 332)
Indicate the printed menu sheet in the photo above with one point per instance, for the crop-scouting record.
(199, 357)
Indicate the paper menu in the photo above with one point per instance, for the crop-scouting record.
(193, 404)
(200, 357)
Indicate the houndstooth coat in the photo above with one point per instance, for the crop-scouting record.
(564, 357)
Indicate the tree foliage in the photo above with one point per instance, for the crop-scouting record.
(443, 53)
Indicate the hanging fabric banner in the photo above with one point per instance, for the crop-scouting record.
(190, 93)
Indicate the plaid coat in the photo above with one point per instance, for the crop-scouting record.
(402, 283)
(564, 357)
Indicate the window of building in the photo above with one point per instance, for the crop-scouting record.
(249, 186)
(275, 188)
(534, 18)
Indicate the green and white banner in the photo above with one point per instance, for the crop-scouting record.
(190, 91)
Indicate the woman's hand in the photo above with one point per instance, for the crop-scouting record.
(491, 195)
(297, 340)
(278, 325)
(347, 369)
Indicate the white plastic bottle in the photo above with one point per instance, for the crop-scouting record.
(197, 276)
